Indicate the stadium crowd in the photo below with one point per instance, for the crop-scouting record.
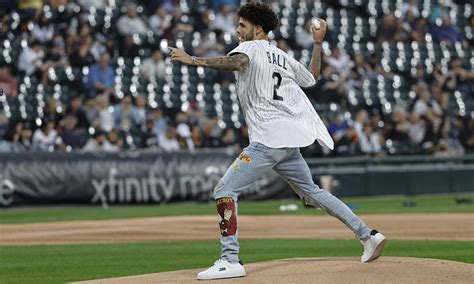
(64, 35)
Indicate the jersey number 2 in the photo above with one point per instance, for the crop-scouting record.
(276, 86)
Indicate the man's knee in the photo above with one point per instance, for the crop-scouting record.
(222, 189)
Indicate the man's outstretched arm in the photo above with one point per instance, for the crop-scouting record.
(236, 62)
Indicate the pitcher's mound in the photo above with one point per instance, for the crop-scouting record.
(327, 270)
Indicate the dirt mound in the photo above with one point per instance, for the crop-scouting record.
(455, 226)
(328, 270)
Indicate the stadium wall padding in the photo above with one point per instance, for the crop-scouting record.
(157, 177)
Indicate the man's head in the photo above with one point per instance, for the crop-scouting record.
(104, 60)
(256, 21)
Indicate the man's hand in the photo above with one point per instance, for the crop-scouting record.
(180, 55)
(318, 34)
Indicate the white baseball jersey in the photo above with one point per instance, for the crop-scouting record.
(277, 111)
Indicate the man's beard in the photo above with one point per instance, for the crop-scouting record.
(247, 37)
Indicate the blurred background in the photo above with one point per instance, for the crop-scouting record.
(94, 76)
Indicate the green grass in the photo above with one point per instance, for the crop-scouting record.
(62, 263)
(425, 204)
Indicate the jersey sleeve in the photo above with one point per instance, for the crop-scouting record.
(303, 77)
(248, 48)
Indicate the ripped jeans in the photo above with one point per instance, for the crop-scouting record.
(253, 163)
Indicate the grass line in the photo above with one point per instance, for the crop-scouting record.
(395, 205)
(63, 263)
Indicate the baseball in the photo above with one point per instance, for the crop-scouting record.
(316, 23)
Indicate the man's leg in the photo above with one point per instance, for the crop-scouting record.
(296, 172)
(251, 164)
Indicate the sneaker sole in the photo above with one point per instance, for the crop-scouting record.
(223, 277)
(378, 250)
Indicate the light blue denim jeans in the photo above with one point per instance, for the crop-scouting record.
(254, 162)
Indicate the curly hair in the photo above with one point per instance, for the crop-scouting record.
(259, 15)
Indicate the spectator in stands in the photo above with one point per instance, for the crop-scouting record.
(212, 133)
(141, 107)
(184, 137)
(304, 37)
(459, 78)
(149, 139)
(114, 138)
(446, 32)
(197, 136)
(91, 111)
(425, 103)
(56, 56)
(369, 141)
(126, 115)
(419, 30)
(437, 76)
(7, 81)
(160, 123)
(233, 4)
(397, 127)
(337, 126)
(208, 47)
(347, 145)
(131, 23)
(153, 67)
(43, 30)
(466, 135)
(178, 26)
(329, 87)
(31, 60)
(353, 82)
(9, 143)
(24, 139)
(99, 143)
(128, 47)
(169, 5)
(390, 28)
(225, 20)
(447, 144)
(96, 4)
(3, 124)
(361, 118)
(4, 26)
(52, 111)
(82, 56)
(71, 134)
(416, 128)
(106, 117)
(229, 139)
(160, 20)
(411, 6)
(46, 137)
(168, 141)
(339, 60)
(439, 10)
(76, 110)
(101, 77)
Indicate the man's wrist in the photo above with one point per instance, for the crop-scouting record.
(193, 60)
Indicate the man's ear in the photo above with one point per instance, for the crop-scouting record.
(258, 30)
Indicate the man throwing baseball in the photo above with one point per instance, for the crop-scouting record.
(280, 119)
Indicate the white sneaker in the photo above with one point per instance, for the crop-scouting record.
(222, 269)
(373, 246)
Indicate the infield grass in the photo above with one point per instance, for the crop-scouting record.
(366, 205)
(64, 263)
